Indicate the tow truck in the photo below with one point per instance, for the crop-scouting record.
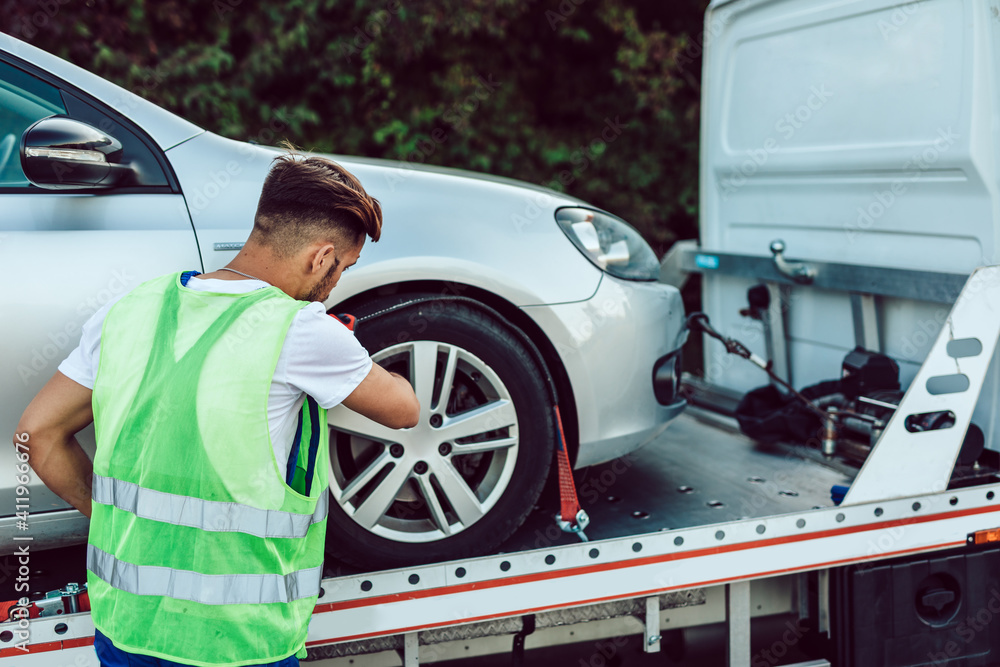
(906, 562)
(705, 525)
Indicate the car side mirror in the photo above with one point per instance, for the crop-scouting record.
(59, 153)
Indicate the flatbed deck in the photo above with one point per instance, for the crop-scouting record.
(684, 524)
(700, 471)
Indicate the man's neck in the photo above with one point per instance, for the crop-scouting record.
(254, 262)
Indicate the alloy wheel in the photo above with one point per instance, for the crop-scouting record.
(436, 479)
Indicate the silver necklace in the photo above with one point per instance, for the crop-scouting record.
(226, 268)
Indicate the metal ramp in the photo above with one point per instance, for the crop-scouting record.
(906, 462)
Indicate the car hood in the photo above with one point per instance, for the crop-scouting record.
(462, 174)
(494, 233)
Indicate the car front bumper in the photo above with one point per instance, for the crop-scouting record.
(610, 345)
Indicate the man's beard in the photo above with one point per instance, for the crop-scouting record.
(323, 288)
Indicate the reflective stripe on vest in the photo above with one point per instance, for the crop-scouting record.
(203, 588)
(205, 514)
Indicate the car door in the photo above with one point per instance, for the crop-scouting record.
(64, 254)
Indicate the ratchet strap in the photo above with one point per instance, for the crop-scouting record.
(571, 517)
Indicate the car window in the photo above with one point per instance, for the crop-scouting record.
(146, 169)
(24, 99)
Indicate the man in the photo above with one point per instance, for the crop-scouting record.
(208, 491)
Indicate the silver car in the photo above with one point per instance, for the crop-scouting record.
(496, 298)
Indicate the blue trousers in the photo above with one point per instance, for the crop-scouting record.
(112, 656)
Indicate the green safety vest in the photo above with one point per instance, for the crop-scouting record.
(198, 551)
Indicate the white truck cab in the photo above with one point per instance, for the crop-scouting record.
(861, 135)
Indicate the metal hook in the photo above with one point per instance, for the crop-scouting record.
(797, 271)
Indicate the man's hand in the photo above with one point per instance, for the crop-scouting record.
(49, 427)
(386, 398)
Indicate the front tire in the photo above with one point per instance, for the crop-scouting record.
(465, 478)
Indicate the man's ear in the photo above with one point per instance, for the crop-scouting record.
(321, 257)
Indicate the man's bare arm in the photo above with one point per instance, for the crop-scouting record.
(386, 398)
(48, 427)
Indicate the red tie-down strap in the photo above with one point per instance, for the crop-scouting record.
(571, 517)
(5, 608)
(34, 611)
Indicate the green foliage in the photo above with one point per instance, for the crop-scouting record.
(597, 98)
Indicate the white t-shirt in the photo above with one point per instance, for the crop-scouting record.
(320, 357)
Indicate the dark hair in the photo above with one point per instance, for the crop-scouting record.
(306, 199)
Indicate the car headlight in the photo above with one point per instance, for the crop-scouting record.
(611, 244)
